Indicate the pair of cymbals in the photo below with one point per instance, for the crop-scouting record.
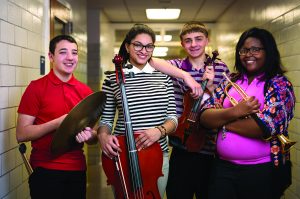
(85, 114)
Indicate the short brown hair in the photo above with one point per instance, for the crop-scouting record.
(193, 26)
(59, 38)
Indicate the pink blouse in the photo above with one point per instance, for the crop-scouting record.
(239, 149)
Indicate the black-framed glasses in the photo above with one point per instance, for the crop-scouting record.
(139, 47)
(253, 50)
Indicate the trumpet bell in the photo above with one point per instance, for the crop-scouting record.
(286, 144)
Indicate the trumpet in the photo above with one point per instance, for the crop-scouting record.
(286, 144)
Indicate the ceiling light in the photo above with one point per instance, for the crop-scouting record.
(163, 38)
(167, 37)
(162, 13)
(160, 51)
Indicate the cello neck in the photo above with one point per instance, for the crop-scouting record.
(135, 173)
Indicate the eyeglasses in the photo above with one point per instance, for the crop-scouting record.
(139, 47)
(252, 50)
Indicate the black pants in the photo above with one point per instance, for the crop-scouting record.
(231, 181)
(188, 175)
(50, 184)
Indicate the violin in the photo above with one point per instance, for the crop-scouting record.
(190, 135)
(131, 173)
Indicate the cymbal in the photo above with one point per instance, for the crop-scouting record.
(86, 113)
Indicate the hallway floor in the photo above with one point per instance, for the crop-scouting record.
(97, 187)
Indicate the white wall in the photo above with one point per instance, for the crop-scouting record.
(107, 41)
(22, 42)
(79, 19)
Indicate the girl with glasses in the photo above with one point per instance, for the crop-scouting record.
(151, 102)
(250, 161)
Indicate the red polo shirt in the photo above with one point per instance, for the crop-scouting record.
(46, 99)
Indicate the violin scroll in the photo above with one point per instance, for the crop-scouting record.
(210, 61)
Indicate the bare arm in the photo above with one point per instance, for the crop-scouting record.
(245, 127)
(27, 131)
(150, 136)
(216, 118)
(167, 68)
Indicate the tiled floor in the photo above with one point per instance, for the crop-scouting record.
(97, 187)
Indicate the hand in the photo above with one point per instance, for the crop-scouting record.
(147, 138)
(85, 135)
(247, 107)
(209, 75)
(109, 144)
(196, 90)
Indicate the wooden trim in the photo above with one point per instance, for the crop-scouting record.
(58, 12)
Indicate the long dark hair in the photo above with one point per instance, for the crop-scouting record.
(273, 65)
(132, 33)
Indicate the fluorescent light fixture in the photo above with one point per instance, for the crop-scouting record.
(167, 13)
(163, 38)
(167, 37)
(158, 37)
(160, 51)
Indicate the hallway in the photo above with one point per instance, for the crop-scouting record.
(99, 27)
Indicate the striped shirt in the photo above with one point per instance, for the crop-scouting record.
(181, 89)
(151, 101)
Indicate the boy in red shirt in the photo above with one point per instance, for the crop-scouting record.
(44, 105)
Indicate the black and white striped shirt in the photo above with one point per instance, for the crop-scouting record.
(151, 101)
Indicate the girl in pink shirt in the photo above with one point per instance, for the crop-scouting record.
(249, 165)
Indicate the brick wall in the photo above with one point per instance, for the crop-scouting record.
(21, 44)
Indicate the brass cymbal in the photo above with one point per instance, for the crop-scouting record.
(86, 113)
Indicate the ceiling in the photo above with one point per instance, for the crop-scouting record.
(133, 11)
(124, 13)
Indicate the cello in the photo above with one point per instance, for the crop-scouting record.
(131, 173)
(190, 135)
